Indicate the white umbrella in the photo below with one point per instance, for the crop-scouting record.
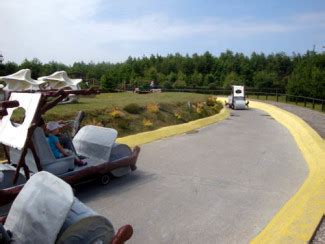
(21, 80)
(59, 80)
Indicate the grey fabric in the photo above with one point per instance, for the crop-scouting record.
(83, 225)
(38, 212)
(48, 161)
(95, 142)
(7, 173)
(120, 151)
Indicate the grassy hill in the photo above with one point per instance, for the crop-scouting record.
(131, 113)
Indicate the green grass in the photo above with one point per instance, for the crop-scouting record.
(107, 110)
(282, 99)
(111, 100)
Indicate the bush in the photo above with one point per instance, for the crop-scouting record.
(218, 106)
(116, 113)
(153, 108)
(147, 123)
(124, 124)
(213, 86)
(167, 85)
(133, 108)
(179, 84)
(211, 101)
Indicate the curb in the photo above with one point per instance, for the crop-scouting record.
(297, 220)
(150, 136)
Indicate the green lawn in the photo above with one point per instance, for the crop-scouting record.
(110, 100)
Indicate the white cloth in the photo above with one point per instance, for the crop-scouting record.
(40, 209)
(95, 142)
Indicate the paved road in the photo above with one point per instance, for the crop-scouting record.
(314, 118)
(221, 184)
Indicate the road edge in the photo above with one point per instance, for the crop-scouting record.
(297, 220)
(168, 131)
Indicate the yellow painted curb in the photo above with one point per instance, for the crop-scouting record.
(146, 137)
(298, 218)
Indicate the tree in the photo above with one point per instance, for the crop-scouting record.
(109, 81)
(151, 74)
(264, 79)
(34, 65)
(172, 77)
(197, 79)
(208, 79)
(232, 79)
(179, 84)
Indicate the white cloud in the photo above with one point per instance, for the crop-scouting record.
(69, 31)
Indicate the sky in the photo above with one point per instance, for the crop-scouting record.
(70, 31)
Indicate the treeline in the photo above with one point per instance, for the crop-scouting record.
(297, 74)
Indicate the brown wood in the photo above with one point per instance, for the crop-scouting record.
(7, 104)
(8, 195)
(3, 219)
(94, 172)
(36, 158)
(123, 234)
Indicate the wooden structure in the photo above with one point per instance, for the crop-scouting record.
(47, 100)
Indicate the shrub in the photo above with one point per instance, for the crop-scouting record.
(178, 115)
(123, 124)
(116, 113)
(153, 108)
(179, 84)
(133, 108)
(166, 107)
(167, 85)
(147, 123)
(199, 107)
(213, 86)
(95, 122)
(211, 101)
(217, 107)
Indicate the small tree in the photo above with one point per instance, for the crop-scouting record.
(232, 79)
(179, 84)
(264, 79)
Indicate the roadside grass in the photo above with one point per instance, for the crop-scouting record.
(282, 99)
(157, 110)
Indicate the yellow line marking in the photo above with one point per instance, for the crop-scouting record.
(146, 137)
(298, 218)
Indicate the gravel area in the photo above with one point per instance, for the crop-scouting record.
(320, 234)
(314, 118)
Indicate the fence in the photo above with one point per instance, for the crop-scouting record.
(267, 94)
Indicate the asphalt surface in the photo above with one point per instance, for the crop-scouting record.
(314, 118)
(220, 184)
